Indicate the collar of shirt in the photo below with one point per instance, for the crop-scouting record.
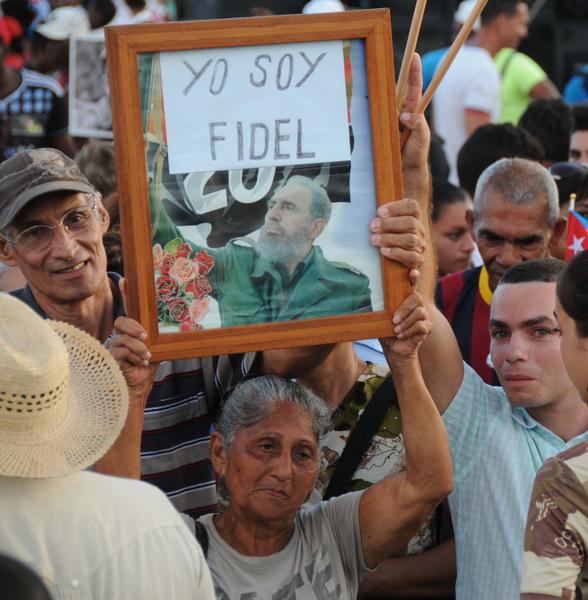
(484, 286)
(28, 297)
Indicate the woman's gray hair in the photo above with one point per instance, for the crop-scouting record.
(256, 399)
(521, 182)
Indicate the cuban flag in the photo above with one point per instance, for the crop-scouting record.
(577, 234)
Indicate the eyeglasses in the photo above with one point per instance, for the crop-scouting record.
(77, 220)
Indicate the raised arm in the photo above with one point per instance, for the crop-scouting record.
(128, 348)
(391, 511)
(402, 231)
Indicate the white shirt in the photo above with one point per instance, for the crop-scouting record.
(472, 82)
(98, 537)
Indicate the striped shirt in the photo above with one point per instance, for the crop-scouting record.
(179, 413)
(464, 298)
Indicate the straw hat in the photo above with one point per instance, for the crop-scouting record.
(63, 398)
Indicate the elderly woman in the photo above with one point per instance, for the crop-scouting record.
(556, 540)
(265, 452)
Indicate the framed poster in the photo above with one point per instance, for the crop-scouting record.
(251, 156)
(89, 94)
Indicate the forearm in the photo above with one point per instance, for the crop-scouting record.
(427, 575)
(428, 461)
(392, 510)
(124, 457)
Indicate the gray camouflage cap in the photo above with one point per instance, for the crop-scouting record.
(32, 173)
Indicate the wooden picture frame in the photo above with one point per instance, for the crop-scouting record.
(137, 57)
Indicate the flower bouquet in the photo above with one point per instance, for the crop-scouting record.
(181, 284)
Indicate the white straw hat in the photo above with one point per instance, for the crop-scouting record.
(63, 398)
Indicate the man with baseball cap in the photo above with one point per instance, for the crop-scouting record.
(63, 402)
(51, 226)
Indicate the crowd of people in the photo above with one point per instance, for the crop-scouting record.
(447, 461)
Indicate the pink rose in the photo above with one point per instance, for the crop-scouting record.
(166, 265)
(157, 256)
(166, 288)
(183, 270)
(198, 308)
(178, 310)
(183, 250)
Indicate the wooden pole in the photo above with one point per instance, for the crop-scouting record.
(459, 41)
(413, 36)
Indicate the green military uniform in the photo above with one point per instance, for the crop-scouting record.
(251, 289)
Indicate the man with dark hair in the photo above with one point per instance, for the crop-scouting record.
(500, 436)
(490, 143)
(551, 122)
(579, 137)
(469, 95)
(515, 219)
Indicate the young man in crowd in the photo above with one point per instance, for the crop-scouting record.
(515, 218)
(500, 436)
(469, 95)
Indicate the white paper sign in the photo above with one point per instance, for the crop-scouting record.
(256, 106)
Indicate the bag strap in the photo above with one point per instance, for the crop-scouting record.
(507, 63)
(360, 438)
(202, 537)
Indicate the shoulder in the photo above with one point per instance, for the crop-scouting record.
(452, 285)
(338, 271)
(120, 496)
(34, 79)
(332, 512)
(573, 460)
(242, 247)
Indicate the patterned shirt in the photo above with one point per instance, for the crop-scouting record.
(555, 563)
(386, 454)
(496, 449)
(36, 112)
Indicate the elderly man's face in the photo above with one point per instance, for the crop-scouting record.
(508, 234)
(289, 228)
(72, 266)
(271, 467)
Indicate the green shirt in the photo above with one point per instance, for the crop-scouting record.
(519, 75)
(251, 289)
